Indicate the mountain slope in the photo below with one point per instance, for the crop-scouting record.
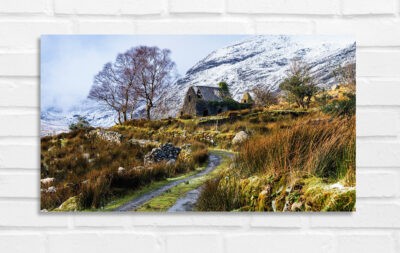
(264, 60)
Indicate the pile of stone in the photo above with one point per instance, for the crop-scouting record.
(109, 136)
(166, 152)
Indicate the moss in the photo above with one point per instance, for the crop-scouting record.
(320, 196)
(70, 204)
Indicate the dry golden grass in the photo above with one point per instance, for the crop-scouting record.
(322, 147)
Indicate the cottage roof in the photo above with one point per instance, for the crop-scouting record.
(208, 93)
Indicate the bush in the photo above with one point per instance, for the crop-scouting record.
(81, 124)
(341, 108)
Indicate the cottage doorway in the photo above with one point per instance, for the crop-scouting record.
(205, 113)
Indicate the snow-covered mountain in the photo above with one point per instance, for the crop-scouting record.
(260, 60)
(54, 120)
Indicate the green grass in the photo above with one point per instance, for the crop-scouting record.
(117, 202)
(168, 199)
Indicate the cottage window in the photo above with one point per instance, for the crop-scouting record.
(198, 94)
(189, 98)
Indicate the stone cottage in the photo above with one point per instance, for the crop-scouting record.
(203, 101)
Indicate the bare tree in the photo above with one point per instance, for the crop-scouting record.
(155, 74)
(114, 87)
(140, 74)
(264, 96)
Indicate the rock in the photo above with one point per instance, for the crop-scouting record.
(296, 206)
(47, 180)
(86, 156)
(51, 189)
(109, 136)
(165, 152)
(121, 170)
(338, 186)
(240, 137)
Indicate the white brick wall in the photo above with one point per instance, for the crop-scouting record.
(375, 227)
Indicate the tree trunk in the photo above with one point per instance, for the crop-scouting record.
(119, 118)
(125, 116)
(148, 108)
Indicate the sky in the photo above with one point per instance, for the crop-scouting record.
(70, 62)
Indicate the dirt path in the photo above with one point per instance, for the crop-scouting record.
(214, 161)
(187, 202)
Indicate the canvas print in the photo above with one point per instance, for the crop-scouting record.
(178, 123)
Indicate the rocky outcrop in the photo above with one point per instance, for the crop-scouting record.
(109, 136)
(165, 152)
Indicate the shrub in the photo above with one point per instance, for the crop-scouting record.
(345, 107)
(81, 124)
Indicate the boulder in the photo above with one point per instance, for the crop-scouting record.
(121, 170)
(51, 189)
(70, 204)
(47, 180)
(240, 137)
(164, 152)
